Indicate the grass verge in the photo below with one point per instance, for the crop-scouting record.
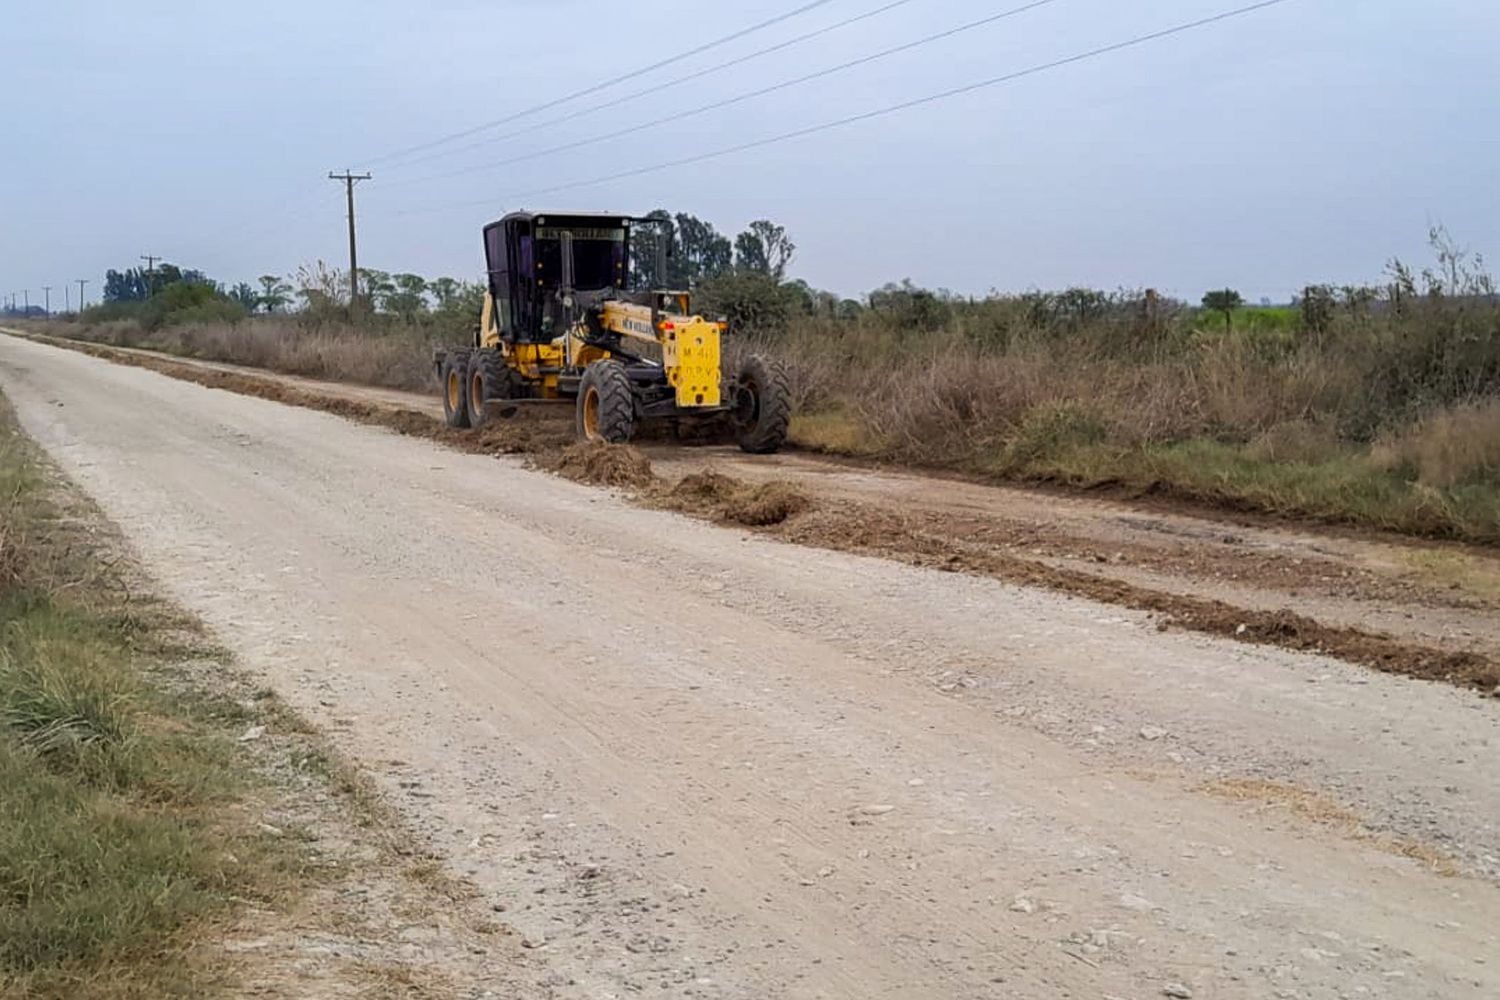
(168, 826)
(128, 799)
(122, 844)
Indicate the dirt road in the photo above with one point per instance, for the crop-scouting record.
(691, 761)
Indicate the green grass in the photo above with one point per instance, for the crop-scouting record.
(119, 847)
(1345, 487)
(1064, 445)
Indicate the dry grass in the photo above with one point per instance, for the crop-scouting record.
(1381, 421)
(398, 358)
(1319, 808)
(1468, 574)
(1448, 448)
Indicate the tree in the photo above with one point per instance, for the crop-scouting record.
(274, 293)
(446, 291)
(764, 247)
(644, 242)
(752, 301)
(1226, 301)
(750, 254)
(375, 286)
(138, 284)
(703, 252)
(911, 307)
(409, 297)
(245, 295)
(124, 286)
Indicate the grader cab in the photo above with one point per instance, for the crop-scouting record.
(562, 323)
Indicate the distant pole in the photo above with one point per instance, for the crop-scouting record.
(150, 273)
(81, 283)
(67, 298)
(47, 309)
(349, 181)
(26, 293)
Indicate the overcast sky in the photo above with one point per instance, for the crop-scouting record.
(1311, 141)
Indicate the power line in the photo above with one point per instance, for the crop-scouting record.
(397, 154)
(685, 78)
(595, 88)
(878, 112)
(740, 98)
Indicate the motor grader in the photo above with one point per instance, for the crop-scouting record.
(561, 323)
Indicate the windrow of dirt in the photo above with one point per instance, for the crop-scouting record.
(794, 514)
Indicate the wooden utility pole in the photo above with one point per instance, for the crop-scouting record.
(27, 294)
(67, 299)
(47, 307)
(150, 273)
(349, 181)
(81, 283)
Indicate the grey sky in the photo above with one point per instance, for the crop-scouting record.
(1311, 141)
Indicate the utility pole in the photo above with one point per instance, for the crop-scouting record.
(81, 283)
(67, 299)
(47, 309)
(26, 292)
(150, 273)
(349, 181)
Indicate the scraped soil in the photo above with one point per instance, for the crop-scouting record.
(955, 540)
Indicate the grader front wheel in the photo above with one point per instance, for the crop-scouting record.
(762, 406)
(606, 404)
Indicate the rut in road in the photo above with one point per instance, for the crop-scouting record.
(686, 757)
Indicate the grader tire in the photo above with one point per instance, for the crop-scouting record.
(763, 411)
(606, 404)
(455, 375)
(489, 377)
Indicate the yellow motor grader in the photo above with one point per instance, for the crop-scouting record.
(561, 323)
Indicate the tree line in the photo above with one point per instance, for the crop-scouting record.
(744, 278)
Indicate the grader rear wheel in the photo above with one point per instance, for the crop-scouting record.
(455, 375)
(489, 378)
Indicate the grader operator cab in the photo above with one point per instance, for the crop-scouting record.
(562, 323)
